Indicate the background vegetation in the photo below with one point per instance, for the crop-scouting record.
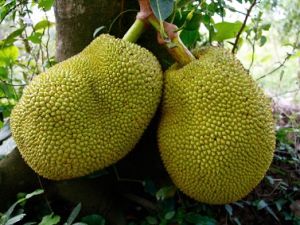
(268, 46)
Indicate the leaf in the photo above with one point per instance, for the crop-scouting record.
(189, 38)
(93, 219)
(237, 221)
(3, 72)
(165, 192)
(5, 132)
(98, 30)
(266, 26)
(15, 219)
(194, 22)
(42, 24)
(11, 37)
(8, 55)
(226, 30)
(280, 203)
(45, 4)
(73, 214)
(169, 215)
(261, 204)
(195, 218)
(36, 192)
(162, 9)
(271, 212)
(35, 37)
(229, 209)
(151, 220)
(50, 219)
(263, 40)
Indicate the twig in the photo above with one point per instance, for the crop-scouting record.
(287, 92)
(48, 39)
(270, 193)
(120, 179)
(278, 67)
(242, 27)
(288, 56)
(143, 202)
(46, 199)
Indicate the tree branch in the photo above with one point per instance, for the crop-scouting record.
(243, 27)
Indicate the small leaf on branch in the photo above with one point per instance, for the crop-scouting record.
(226, 30)
(43, 24)
(162, 9)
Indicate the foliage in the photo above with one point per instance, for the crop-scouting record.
(8, 218)
(24, 51)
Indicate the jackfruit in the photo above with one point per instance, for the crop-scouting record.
(216, 134)
(89, 111)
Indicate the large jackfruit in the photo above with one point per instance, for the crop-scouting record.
(216, 134)
(89, 111)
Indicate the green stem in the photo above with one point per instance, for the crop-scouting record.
(174, 45)
(135, 31)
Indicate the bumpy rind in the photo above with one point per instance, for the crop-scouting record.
(89, 111)
(216, 134)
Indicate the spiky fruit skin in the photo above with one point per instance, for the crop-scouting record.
(216, 134)
(89, 111)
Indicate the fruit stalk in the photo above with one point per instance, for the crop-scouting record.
(135, 31)
(172, 41)
(167, 33)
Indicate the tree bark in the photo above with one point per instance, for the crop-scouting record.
(76, 21)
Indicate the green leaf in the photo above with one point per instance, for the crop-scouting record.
(45, 4)
(195, 218)
(261, 204)
(162, 9)
(271, 212)
(280, 203)
(93, 220)
(194, 22)
(73, 214)
(8, 55)
(165, 192)
(11, 37)
(3, 72)
(151, 220)
(169, 215)
(263, 40)
(36, 192)
(266, 26)
(50, 219)
(35, 37)
(189, 38)
(237, 221)
(42, 25)
(229, 209)
(15, 219)
(226, 30)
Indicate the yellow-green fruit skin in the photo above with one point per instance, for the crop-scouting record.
(89, 111)
(216, 134)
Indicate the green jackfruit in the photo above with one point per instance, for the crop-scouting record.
(89, 111)
(216, 134)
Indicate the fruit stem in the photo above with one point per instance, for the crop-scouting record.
(167, 34)
(135, 31)
(172, 41)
